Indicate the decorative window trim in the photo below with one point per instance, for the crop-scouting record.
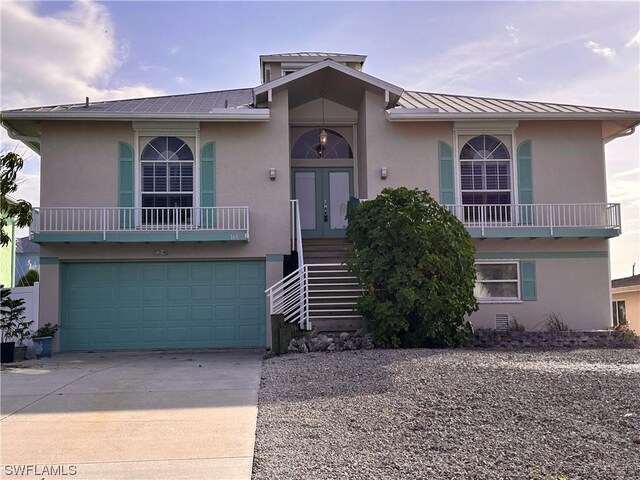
(517, 281)
(181, 130)
(464, 131)
(167, 173)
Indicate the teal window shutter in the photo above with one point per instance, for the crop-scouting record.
(525, 182)
(208, 183)
(126, 184)
(528, 281)
(445, 160)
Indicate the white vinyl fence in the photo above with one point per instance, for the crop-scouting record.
(31, 296)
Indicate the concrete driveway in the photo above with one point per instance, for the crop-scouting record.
(131, 415)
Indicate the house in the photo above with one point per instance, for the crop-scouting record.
(625, 296)
(8, 254)
(27, 257)
(163, 220)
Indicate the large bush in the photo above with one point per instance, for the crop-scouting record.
(416, 262)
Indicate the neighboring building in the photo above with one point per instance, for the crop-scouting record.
(27, 257)
(626, 302)
(163, 220)
(8, 256)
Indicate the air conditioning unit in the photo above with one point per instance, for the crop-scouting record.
(502, 321)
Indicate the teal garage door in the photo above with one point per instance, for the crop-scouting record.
(108, 306)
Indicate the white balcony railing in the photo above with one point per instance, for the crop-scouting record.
(136, 219)
(549, 216)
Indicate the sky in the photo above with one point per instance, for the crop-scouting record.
(584, 53)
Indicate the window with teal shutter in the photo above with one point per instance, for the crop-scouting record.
(446, 172)
(528, 280)
(208, 184)
(525, 183)
(126, 185)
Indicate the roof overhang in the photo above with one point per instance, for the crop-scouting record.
(391, 93)
(626, 289)
(614, 124)
(351, 58)
(214, 115)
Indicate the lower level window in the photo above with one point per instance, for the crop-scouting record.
(497, 281)
(619, 313)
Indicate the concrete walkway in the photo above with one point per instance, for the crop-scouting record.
(131, 415)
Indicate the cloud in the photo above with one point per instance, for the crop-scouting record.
(179, 79)
(61, 58)
(634, 41)
(512, 32)
(599, 50)
(173, 50)
(627, 173)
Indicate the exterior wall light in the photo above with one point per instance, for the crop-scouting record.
(272, 173)
(383, 173)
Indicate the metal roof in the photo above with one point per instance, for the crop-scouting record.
(460, 104)
(25, 245)
(193, 103)
(313, 55)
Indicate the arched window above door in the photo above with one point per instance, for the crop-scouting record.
(308, 145)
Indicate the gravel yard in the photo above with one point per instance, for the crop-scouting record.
(445, 414)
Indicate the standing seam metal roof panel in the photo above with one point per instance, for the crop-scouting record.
(460, 103)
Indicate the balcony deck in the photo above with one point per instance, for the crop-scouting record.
(122, 225)
(540, 220)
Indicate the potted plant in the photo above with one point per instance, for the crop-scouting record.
(22, 333)
(42, 339)
(11, 316)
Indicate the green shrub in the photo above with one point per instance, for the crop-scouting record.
(415, 261)
(47, 330)
(12, 324)
(28, 279)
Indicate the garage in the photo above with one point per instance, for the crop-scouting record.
(113, 306)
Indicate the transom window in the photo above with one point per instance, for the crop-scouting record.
(485, 179)
(497, 281)
(308, 145)
(167, 181)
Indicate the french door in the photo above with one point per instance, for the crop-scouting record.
(323, 194)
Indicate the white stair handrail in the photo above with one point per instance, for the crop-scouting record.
(290, 297)
(296, 232)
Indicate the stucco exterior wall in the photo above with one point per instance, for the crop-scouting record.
(572, 279)
(631, 297)
(408, 150)
(80, 163)
(49, 307)
(361, 142)
(568, 161)
(568, 156)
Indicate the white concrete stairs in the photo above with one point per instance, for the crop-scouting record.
(333, 289)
